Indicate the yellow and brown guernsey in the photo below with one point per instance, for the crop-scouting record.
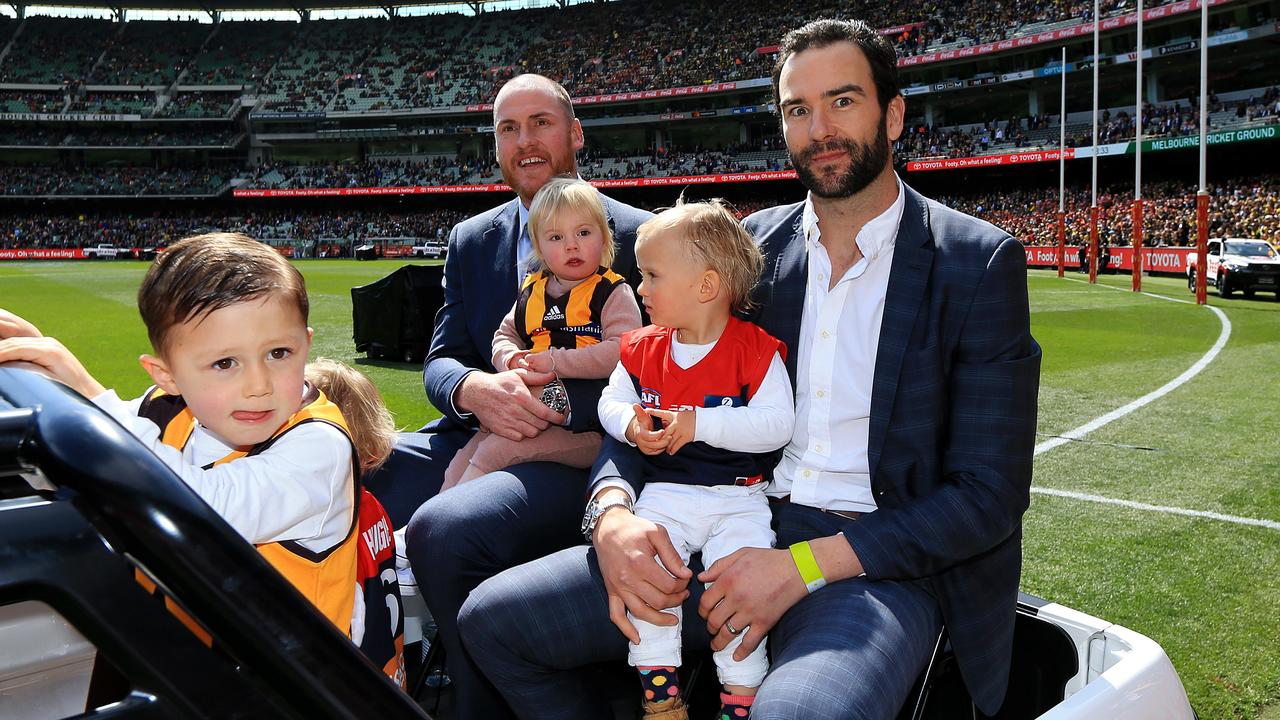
(328, 578)
(568, 321)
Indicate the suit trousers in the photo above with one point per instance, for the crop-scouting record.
(850, 650)
(465, 536)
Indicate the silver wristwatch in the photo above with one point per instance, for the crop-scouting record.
(597, 508)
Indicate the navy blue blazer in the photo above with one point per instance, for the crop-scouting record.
(480, 288)
(953, 418)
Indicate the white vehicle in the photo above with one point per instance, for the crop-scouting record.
(431, 249)
(82, 503)
(1238, 264)
(105, 251)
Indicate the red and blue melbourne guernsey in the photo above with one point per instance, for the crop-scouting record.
(729, 375)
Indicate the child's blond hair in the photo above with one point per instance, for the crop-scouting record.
(713, 237)
(372, 429)
(568, 194)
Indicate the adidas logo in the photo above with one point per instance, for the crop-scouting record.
(553, 313)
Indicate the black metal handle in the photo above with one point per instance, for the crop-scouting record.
(142, 509)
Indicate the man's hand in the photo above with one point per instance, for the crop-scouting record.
(640, 431)
(753, 587)
(13, 326)
(53, 358)
(625, 548)
(503, 404)
(677, 427)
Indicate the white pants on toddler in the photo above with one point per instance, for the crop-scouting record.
(716, 520)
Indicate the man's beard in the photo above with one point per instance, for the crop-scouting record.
(866, 162)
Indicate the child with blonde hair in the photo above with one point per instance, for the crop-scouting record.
(705, 397)
(566, 320)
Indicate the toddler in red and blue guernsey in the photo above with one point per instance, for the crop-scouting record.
(706, 398)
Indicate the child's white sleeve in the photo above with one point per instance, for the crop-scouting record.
(299, 489)
(614, 408)
(764, 424)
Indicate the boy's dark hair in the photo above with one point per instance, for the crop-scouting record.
(821, 33)
(200, 274)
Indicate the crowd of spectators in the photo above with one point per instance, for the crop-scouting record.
(1239, 207)
(374, 172)
(591, 48)
(349, 228)
(323, 51)
(116, 180)
(198, 105)
(240, 53)
(110, 137)
(219, 137)
(26, 101)
(133, 103)
(1171, 119)
(55, 50)
(336, 231)
(442, 170)
(667, 162)
(148, 53)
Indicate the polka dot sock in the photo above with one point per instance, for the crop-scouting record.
(735, 707)
(658, 682)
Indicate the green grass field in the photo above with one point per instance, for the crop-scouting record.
(1207, 590)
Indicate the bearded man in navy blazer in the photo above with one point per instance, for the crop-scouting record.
(902, 490)
(463, 536)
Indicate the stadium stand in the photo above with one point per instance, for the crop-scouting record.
(1176, 118)
(592, 48)
(378, 172)
(40, 53)
(100, 137)
(148, 53)
(21, 101)
(198, 105)
(210, 87)
(410, 71)
(279, 227)
(130, 103)
(1246, 206)
(35, 181)
(1240, 207)
(306, 76)
(239, 53)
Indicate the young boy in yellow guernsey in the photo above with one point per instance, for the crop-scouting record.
(231, 412)
(705, 397)
(566, 320)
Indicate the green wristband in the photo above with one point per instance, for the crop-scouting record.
(807, 564)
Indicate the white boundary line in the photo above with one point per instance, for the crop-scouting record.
(1158, 508)
(1156, 394)
(1118, 413)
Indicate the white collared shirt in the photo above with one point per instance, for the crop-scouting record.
(524, 243)
(298, 489)
(826, 463)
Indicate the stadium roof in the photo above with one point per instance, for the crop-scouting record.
(296, 5)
